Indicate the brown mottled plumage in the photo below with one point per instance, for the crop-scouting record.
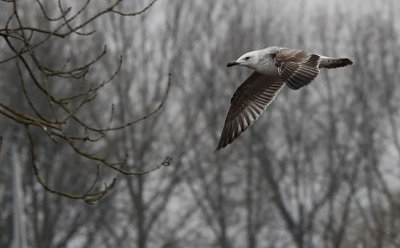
(274, 67)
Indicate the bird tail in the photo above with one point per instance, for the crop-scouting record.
(326, 62)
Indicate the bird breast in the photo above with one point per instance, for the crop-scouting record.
(268, 69)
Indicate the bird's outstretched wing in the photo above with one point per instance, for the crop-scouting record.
(297, 68)
(247, 104)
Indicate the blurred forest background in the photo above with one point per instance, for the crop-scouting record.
(321, 168)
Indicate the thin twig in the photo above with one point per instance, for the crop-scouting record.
(88, 196)
(135, 13)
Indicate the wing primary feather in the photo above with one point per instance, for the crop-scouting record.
(247, 104)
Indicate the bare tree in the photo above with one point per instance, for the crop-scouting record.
(318, 169)
(55, 93)
(319, 150)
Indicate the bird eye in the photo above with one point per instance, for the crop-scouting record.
(247, 58)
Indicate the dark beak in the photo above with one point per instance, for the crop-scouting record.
(232, 63)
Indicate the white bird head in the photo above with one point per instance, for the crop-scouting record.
(250, 59)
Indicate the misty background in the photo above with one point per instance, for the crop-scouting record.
(320, 168)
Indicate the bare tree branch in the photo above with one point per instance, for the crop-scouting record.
(61, 111)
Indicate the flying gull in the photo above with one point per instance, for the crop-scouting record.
(273, 68)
